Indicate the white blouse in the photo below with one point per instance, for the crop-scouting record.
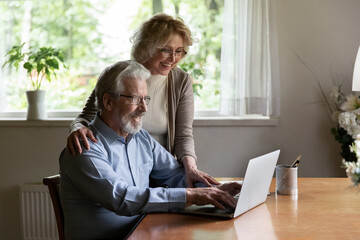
(156, 119)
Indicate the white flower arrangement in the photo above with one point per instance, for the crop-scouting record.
(344, 112)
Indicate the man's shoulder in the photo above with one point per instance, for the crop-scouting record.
(94, 147)
(98, 136)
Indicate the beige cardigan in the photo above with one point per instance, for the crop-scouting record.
(180, 109)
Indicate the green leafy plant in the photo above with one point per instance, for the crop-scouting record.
(38, 64)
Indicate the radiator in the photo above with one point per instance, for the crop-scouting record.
(36, 213)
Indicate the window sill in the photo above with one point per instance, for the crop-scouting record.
(198, 122)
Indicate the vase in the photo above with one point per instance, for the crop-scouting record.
(36, 105)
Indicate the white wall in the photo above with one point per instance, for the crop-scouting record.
(325, 33)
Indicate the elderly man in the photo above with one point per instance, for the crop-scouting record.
(126, 173)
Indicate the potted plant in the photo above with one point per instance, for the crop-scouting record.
(38, 65)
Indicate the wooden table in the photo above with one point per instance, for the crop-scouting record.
(325, 208)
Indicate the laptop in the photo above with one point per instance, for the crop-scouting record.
(254, 191)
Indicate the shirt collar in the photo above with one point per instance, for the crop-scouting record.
(109, 134)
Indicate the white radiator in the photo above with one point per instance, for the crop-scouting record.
(36, 213)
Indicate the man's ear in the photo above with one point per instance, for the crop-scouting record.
(108, 101)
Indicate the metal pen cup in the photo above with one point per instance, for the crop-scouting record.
(286, 180)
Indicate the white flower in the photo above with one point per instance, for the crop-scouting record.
(353, 171)
(352, 103)
(350, 167)
(354, 131)
(347, 120)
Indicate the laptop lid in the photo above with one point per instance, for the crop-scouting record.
(257, 182)
(254, 190)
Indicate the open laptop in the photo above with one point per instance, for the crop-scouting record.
(254, 189)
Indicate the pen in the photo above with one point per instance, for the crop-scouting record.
(296, 162)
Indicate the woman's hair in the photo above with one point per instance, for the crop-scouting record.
(111, 80)
(155, 33)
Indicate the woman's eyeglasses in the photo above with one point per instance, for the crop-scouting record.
(167, 52)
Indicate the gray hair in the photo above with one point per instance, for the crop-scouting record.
(111, 80)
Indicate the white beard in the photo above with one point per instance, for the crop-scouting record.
(128, 126)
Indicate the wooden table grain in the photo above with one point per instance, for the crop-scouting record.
(325, 208)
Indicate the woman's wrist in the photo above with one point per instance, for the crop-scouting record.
(189, 162)
(76, 127)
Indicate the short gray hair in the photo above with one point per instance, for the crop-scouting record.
(111, 79)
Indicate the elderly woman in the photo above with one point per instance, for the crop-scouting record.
(159, 44)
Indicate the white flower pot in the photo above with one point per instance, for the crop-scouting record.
(36, 105)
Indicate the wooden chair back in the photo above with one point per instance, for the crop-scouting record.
(53, 183)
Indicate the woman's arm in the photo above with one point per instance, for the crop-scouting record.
(183, 114)
(79, 127)
(184, 146)
(87, 114)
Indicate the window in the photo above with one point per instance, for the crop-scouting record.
(95, 34)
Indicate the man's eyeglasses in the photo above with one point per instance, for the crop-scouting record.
(167, 52)
(136, 99)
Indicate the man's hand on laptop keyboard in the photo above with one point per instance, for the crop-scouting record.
(216, 196)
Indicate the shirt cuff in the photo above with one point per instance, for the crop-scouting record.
(177, 198)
